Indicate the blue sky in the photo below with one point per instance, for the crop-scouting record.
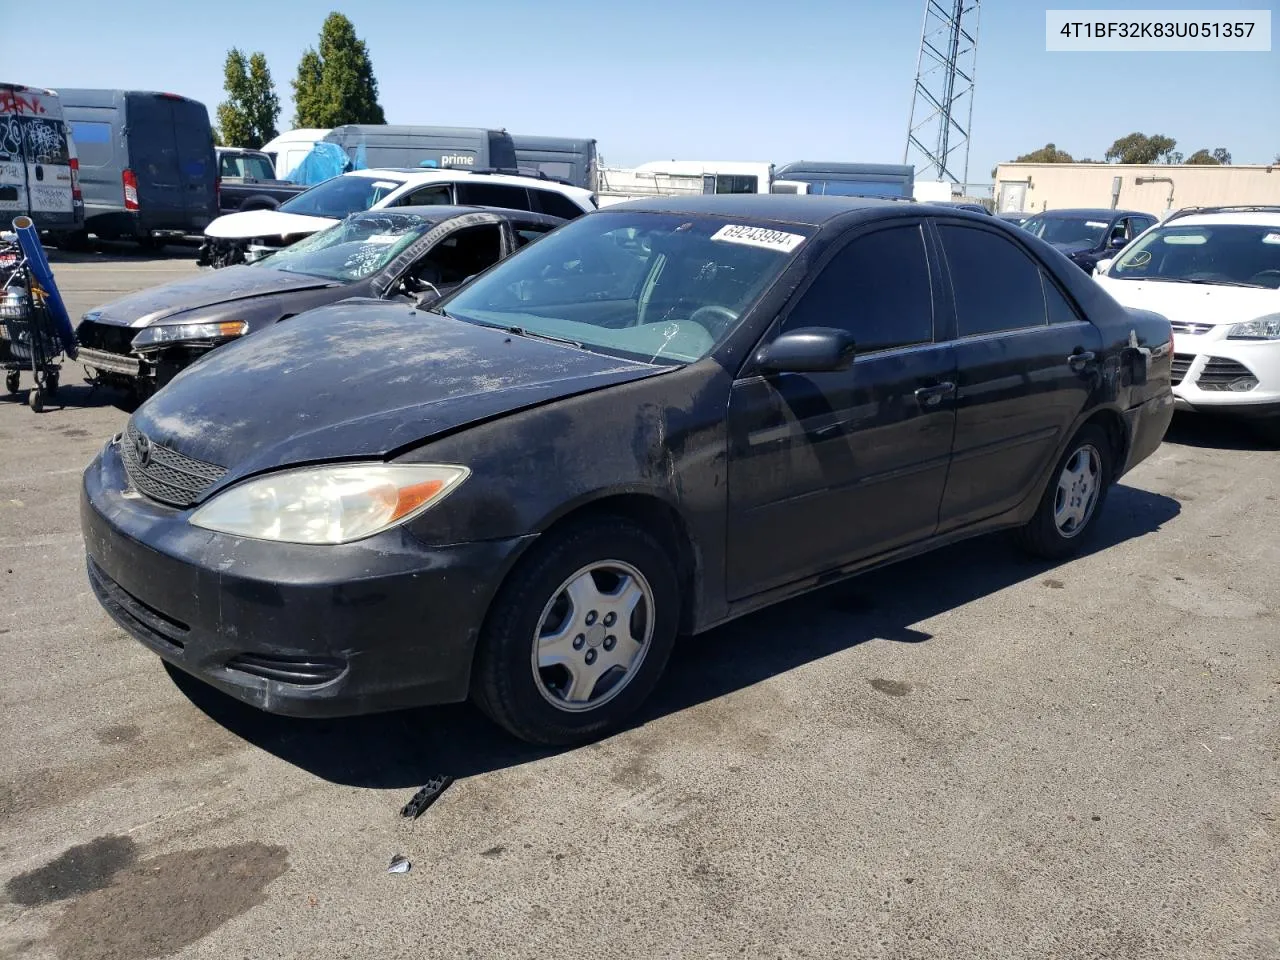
(698, 79)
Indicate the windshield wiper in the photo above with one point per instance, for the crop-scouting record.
(1206, 283)
(534, 335)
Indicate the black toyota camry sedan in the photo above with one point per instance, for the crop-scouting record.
(656, 418)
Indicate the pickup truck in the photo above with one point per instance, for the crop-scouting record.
(248, 182)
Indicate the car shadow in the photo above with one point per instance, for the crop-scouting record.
(121, 251)
(406, 748)
(68, 397)
(1218, 433)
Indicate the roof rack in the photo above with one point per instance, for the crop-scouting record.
(1238, 208)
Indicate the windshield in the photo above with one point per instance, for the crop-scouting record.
(1070, 231)
(654, 287)
(358, 247)
(246, 166)
(341, 196)
(1231, 254)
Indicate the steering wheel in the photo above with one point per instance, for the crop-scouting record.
(712, 313)
(1265, 273)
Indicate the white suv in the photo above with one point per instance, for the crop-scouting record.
(239, 236)
(1215, 273)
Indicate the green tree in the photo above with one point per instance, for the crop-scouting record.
(1203, 158)
(336, 85)
(247, 118)
(1222, 155)
(1139, 148)
(1049, 153)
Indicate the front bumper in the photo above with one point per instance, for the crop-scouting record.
(1235, 377)
(384, 623)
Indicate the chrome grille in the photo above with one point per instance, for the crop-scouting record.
(1192, 329)
(166, 475)
(1181, 364)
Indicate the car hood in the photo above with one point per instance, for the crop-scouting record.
(1194, 303)
(264, 223)
(205, 289)
(361, 379)
(1075, 246)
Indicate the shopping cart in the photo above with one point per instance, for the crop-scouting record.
(31, 334)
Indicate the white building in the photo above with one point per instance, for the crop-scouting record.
(1149, 188)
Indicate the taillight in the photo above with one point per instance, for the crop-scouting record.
(76, 196)
(130, 190)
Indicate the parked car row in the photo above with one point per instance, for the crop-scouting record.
(236, 237)
(650, 420)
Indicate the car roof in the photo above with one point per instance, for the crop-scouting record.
(1252, 218)
(444, 175)
(1093, 213)
(782, 207)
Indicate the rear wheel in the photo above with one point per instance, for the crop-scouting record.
(11, 381)
(1068, 512)
(579, 634)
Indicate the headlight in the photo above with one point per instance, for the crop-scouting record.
(335, 504)
(1263, 328)
(162, 334)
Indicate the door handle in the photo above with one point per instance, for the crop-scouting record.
(932, 396)
(1081, 359)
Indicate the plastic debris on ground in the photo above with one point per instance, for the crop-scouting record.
(399, 864)
(425, 797)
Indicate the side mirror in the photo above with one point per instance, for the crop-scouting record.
(1118, 242)
(1102, 266)
(808, 350)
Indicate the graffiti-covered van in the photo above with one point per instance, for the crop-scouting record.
(39, 172)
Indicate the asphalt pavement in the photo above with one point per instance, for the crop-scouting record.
(968, 755)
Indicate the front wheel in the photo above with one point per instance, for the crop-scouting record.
(579, 634)
(1068, 512)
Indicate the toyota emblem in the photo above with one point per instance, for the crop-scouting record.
(142, 447)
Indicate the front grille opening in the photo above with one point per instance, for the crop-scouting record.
(136, 616)
(168, 476)
(105, 336)
(299, 671)
(1225, 375)
(1181, 364)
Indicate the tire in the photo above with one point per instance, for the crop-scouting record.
(35, 400)
(547, 705)
(11, 381)
(77, 242)
(1058, 530)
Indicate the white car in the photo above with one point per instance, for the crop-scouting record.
(237, 237)
(1215, 273)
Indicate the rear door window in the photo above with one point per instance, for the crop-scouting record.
(556, 204)
(997, 286)
(93, 142)
(494, 195)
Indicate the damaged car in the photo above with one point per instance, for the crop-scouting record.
(248, 235)
(652, 420)
(139, 342)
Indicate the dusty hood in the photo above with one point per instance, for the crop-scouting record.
(360, 378)
(203, 290)
(1194, 302)
(264, 223)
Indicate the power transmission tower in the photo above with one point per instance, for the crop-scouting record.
(942, 99)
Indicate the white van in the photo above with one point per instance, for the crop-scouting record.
(289, 149)
(39, 173)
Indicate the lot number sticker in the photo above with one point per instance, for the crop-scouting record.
(759, 237)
